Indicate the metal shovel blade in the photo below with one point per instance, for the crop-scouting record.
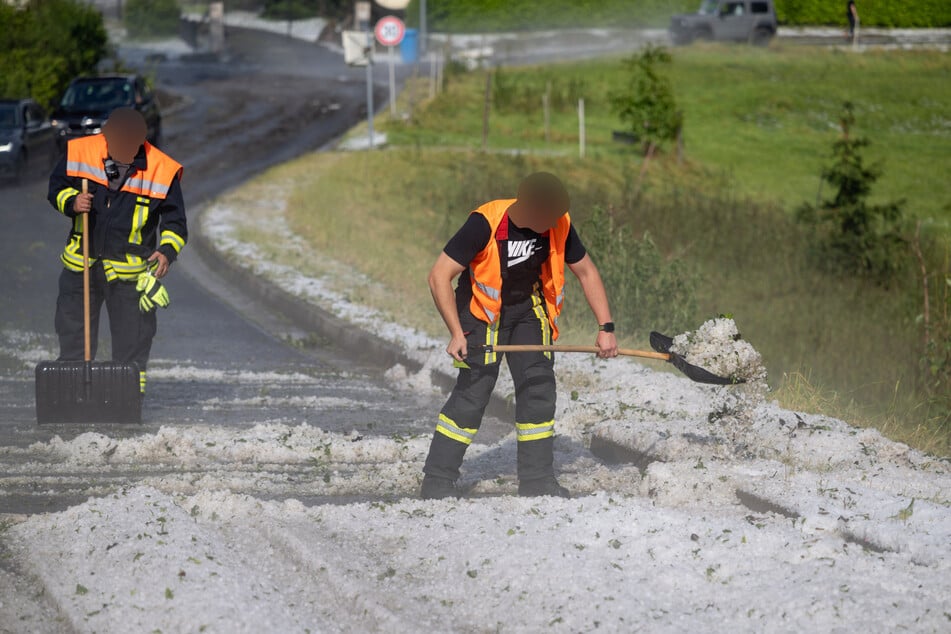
(662, 343)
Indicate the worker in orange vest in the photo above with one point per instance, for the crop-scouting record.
(137, 228)
(510, 257)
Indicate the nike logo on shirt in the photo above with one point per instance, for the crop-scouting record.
(520, 251)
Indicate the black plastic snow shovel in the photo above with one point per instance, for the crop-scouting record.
(87, 391)
(693, 372)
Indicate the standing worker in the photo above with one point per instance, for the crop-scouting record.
(135, 204)
(511, 256)
(852, 13)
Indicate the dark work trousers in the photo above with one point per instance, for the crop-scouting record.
(534, 377)
(131, 330)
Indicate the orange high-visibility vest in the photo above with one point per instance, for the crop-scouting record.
(485, 270)
(84, 159)
(85, 156)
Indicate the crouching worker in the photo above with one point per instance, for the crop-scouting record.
(137, 228)
(510, 257)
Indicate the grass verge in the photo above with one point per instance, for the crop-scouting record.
(387, 214)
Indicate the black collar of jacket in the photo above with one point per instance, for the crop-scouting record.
(139, 162)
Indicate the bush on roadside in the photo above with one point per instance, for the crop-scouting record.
(647, 291)
(647, 105)
(855, 236)
(152, 18)
(880, 13)
(45, 44)
(302, 9)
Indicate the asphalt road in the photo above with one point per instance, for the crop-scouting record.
(218, 351)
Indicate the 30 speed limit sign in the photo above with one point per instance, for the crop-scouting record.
(389, 31)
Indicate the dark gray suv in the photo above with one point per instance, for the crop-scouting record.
(752, 21)
(89, 100)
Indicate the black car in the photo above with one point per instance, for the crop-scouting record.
(27, 140)
(87, 102)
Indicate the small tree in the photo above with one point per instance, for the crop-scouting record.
(858, 237)
(45, 43)
(647, 105)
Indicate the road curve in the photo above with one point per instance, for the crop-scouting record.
(220, 357)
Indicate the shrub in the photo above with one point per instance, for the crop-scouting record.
(152, 18)
(856, 236)
(885, 13)
(45, 44)
(647, 106)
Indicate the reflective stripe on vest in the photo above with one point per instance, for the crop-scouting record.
(85, 156)
(485, 270)
(84, 159)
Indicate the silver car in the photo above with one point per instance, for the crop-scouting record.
(27, 139)
(752, 21)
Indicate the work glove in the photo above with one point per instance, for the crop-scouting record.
(152, 292)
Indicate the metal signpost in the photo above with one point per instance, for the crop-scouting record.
(362, 10)
(390, 32)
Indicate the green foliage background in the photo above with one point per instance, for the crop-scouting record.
(647, 105)
(151, 18)
(644, 285)
(45, 44)
(505, 15)
(884, 13)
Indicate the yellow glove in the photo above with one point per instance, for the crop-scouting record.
(152, 293)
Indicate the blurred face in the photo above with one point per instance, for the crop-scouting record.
(125, 134)
(539, 219)
(541, 202)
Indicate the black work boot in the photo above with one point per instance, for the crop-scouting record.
(436, 488)
(542, 486)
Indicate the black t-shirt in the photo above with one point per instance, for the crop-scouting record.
(522, 255)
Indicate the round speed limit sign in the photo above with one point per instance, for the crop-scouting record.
(389, 31)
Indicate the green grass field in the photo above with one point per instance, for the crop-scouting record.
(765, 117)
(760, 124)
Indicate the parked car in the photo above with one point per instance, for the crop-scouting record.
(87, 102)
(27, 139)
(752, 21)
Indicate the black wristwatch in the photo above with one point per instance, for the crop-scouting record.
(607, 326)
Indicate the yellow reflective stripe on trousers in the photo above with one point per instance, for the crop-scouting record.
(535, 431)
(63, 197)
(447, 427)
(491, 339)
(539, 311)
(142, 381)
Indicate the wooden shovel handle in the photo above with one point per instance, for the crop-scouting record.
(627, 352)
(87, 338)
